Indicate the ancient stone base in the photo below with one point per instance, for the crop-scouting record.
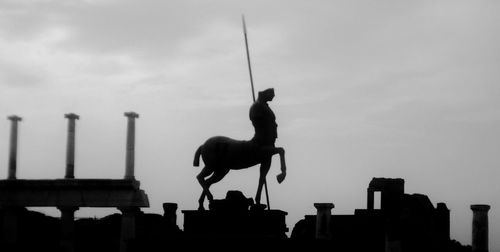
(234, 219)
(68, 195)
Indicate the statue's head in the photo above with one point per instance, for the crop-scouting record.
(266, 95)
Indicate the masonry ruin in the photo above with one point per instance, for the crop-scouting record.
(403, 222)
(69, 194)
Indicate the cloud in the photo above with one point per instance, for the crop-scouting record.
(387, 87)
(20, 76)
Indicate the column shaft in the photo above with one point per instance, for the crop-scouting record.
(480, 228)
(67, 241)
(130, 154)
(369, 199)
(70, 146)
(323, 220)
(13, 146)
(128, 227)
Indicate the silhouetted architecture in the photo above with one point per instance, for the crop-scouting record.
(13, 146)
(130, 154)
(391, 193)
(323, 220)
(480, 228)
(170, 213)
(232, 219)
(70, 145)
(38, 232)
(404, 222)
(222, 154)
(69, 194)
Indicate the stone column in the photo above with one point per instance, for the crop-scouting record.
(169, 213)
(323, 220)
(129, 159)
(369, 199)
(67, 240)
(128, 227)
(443, 222)
(480, 228)
(13, 146)
(70, 146)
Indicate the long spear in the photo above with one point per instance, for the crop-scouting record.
(253, 92)
(248, 56)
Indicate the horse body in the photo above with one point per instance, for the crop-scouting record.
(221, 154)
(225, 152)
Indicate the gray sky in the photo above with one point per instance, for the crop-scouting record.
(364, 89)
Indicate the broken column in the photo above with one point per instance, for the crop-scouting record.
(323, 220)
(170, 213)
(13, 146)
(70, 146)
(480, 228)
(443, 222)
(129, 159)
(369, 198)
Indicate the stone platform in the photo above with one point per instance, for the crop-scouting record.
(72, 193)
(68, 195)
(233, 219)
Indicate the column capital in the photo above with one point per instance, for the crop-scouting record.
(480, 207)
(14, 118)
(324, 205)
(131, 114)
(72, 116)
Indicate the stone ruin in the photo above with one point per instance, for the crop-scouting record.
(68, 195)
(404, 222)
(233, 218)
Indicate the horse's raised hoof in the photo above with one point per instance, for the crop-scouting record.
(258, 207)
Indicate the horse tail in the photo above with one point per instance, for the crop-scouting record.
(197, 155)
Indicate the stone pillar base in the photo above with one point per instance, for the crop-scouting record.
(128, 229)
(67, 243)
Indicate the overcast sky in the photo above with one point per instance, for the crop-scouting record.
(364, 89)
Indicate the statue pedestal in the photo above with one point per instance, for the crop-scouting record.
(233, 219)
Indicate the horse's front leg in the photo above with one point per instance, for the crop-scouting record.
(264, 168)
(280, 177)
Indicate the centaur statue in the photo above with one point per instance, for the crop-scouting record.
(221, 154)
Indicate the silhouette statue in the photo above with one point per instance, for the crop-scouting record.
(221, 154)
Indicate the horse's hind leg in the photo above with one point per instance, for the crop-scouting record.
(264, 169)
(205, 172)
(216, 177)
